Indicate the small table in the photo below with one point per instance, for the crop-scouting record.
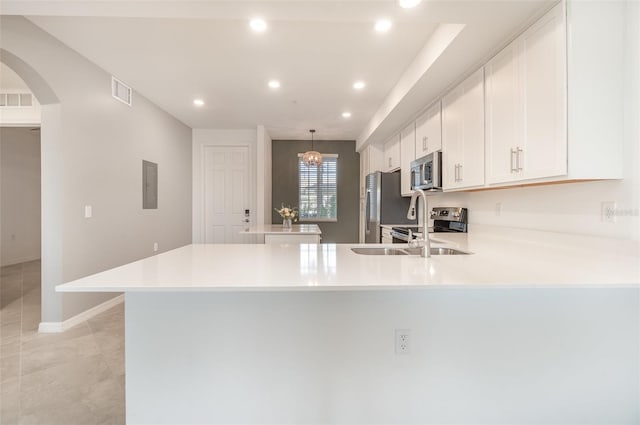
(277, 234)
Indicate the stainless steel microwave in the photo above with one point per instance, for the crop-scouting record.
(426, 172)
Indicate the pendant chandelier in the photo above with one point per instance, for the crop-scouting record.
(312, 158)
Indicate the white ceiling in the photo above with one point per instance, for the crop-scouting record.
(174, 51)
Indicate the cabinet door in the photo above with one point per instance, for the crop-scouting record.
(429, 131)
(407, 154)
(503, 116)
(375, 159)
(452, 134)
(463, 134)
(392, 154)
(471, 171)
(543, 76)
(364, 169)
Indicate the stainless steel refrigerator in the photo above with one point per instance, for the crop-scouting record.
(383, 204)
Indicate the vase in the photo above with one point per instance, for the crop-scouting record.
(286, 223)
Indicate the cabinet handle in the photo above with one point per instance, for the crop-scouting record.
(514, 168)
(424, 143)
(519, 152)
(389, 162)
(460, 172)
(455, 173)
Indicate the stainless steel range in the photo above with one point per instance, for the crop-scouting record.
(445, 219)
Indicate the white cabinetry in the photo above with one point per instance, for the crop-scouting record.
(463, 134)
(429, 131)
(385, 235)
(407, 154)
(370, 161)
(526, 104)
(391, 160)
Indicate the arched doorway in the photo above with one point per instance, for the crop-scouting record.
(51, 184)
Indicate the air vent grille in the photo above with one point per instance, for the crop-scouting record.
(120, 91)
(16, 100)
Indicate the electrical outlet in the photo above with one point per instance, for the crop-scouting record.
(403, 341)
(608, 212)
(498, 209)
(155, 246)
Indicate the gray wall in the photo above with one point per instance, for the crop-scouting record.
(285, 184)
(92, 150)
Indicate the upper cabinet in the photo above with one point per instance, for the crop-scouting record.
(463, 134)
(391, 159)
(407, 154)
(526, 104)
(370, 162)
(429, 131)
(548, 108)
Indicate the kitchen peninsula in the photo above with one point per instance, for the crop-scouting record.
(277, 233)
(533, 327)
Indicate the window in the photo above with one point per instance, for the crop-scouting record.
(318, 189)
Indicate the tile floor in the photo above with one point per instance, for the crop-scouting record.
(70, 378)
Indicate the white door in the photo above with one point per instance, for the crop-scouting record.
(452, 137)
(429, 131)
(226, 193)
(471, 171)
(544, 153)
(407, 154)
(503, 116)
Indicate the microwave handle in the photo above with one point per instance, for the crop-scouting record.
(423, 169)
(435, 171)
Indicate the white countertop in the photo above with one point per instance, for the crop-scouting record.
(277, 229)
(502, 257)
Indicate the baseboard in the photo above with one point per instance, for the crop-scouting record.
(57, 327)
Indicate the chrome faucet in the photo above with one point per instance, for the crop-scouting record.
(411, 215)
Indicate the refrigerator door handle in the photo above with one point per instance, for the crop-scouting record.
(367, 209)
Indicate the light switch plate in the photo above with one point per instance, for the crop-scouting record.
(88, 211)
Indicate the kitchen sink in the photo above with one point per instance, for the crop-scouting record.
(406, 251)
(379, 251)
(447, 251)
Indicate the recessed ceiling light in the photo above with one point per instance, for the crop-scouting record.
(258, 25)
(346, 114)
(198, 102)
(383, 25)
(359, 85)
(274, 84)
(408, 4)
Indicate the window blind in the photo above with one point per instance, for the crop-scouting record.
(318, 189)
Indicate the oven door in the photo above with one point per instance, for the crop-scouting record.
(400, 236)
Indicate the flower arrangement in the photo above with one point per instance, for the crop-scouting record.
(288, 213)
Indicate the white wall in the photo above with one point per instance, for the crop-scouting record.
(478, 356)
(212, 137)
(264, 148)
(575, 207)
(92, 152)
(19, 195)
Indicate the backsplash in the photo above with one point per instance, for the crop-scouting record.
(570, 208)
